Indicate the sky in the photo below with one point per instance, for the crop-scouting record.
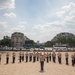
(39, 20)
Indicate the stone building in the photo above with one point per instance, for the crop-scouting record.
(18, 39)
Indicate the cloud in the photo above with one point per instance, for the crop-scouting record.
(47, 31)
(10, 4)
(22, 25)
(68, 10)
(3, 25)
(49, 26)
(65, 22)
(10, 15)
(6, 29)
(67, 14)
(3, 28)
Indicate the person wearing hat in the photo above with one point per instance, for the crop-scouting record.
(54, 57)
(37, 56)
(50, 56)
(42, 58)
(59, 57)
(47, 57)
(13, 57)
(44, 55)
(72, 56)
(66, 57)
(34, 57)
(19, 57)
(30, 57)
(7, 58)
(0, 58)
(26, 56)
(22, 56)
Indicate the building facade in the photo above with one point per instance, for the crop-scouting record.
(17, 39)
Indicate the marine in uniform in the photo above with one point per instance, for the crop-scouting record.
(59, 57)
(13, 57)
(54, 57)
(50, 56)
(30, 56)
(66, 57)
(72, 56)
(7, 58)
(34, 57)
(19, 57)
(42, 58)
(44, 55)
(40, 53)
(22, 56)
(37, 55)
(26, 56)
(47, 57)
(0, 58)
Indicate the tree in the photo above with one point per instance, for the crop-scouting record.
(29, 42)
(49, 44)
(5, 42)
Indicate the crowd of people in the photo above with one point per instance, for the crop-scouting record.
(39, 56)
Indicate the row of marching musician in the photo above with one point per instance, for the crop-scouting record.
(34, 56)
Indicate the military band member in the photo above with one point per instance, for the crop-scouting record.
(19, 57)
(22, 56)
(13, 57)
(37, 55)
(40, 53)
(26, 56)
(54, 57)
(42, 58)
(66, 57)
(59, 57)
(47, 57)
(34, 57)
(50, 56)
(44, 55)
(30, 56)
(7, 58)
(0, 58)
(72, 56)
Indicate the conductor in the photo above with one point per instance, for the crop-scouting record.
(42, 58)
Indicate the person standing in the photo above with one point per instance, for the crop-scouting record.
(37, 55)
(0, 58)
(59, 57)
(22, 56)
(42, 58)
(72, 56)
(26, 56)
(13, 57)
(34, 57)
(54, 57)
(47, 57)
(30, 57)
(50, 56)
(7, 58)
(19, 57)
(44, 55)
(66, 57)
